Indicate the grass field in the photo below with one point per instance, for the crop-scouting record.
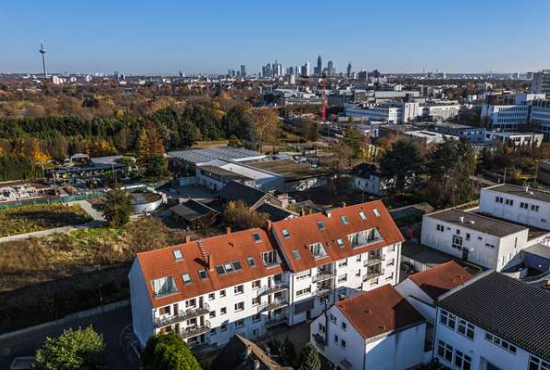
(26, 219)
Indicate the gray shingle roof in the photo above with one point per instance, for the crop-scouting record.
(506, 307)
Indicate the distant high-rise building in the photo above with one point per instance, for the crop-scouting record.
(541, 82)
(331, 71)
(319, 69)
(305, 69)
(349, 70)
(363, 76)
(181, 74)
(243, 71)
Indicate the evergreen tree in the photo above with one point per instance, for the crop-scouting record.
(402, 163)
(309, 359)
(117, 207)
(168, 352)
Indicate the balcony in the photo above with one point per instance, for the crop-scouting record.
(277, 303)
(195, 330)
(320, 340)
(276, 321)
(324, 290)
(323, 275)
(274, 288)
(183, 315)
(374, 259)
(372, 274)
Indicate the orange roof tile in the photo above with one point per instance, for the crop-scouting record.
(304, 231)
(236, 246)
(379, 311)
(440, 279)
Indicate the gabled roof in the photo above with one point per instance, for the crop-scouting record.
(506, 307)
(275, 213)
(192, 210)
(221, 249)
(304, 231)
(242, 354)
(440, 279)
(235, 191)
(378, 311)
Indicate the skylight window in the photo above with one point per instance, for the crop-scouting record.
(203, 275)
(257, 237)
(286, 233)
(229, 267)
(320, 225)
(340, 242)
(178, 255)
(251, 261)
(376, 212)
(344, 220)
(296, 254)
(186, 279)
(363, 216)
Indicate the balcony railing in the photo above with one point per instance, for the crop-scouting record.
(276, 321)
(324, 275)
(183, 315)
(277, 303)
(195, 330)
(372, 274)
(274, 288)
(323, 291)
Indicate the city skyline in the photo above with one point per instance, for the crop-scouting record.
(455, 37)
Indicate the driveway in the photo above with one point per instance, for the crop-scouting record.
(113, 325)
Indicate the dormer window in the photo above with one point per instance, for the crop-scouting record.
(318, 250)
(363, 216)
(364, 237)
(320, 225)
(186, 279)
(164, 285)
(286, 233)
(257, 237)
(344, 220)
(203, 275)
(340, 242)
(178, 255)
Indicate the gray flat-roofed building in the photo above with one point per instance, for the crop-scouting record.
(475, 135)
(206, 155)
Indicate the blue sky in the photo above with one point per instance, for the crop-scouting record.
(210, 36)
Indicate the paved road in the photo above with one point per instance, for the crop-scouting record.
(110, 324)
(98, 221)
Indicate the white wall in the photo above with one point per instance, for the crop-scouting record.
(264, 180)
(514, 213)
(142, 310)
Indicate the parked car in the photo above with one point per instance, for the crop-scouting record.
(408, 267)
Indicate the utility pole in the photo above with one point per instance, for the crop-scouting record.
(43, 52)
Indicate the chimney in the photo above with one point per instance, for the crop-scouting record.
(187, 239)
(269, 224)
(461, 218)
(228, 230)
(527, 189)
(303, 212)
(210, 262)
(344, 204)
(328, 212)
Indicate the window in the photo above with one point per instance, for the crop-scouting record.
(343, 342)
(223, 310)
(376, 212)
(256, 284)
(363, 215)
(228, 268)
(164, 285)
(296, 254)
(342, 278)
(340, 242)
(462, 361)
(286, 233)
(358, 258)
(344, 220)
(303, 275)
(457, 242)
(534, 208)
(178, 255)
(212, 314)
(440, 227)
(320, 225)
(344, 325)
(336, 338)
(223, 327)
(303, 291)
(536, 363)
(523, 205)
(343, 263)
(500, 342)
(318, 250)
(333, 318)
(239, 289)
(164, 310)
(203, 275)
(448, 319)
(465, 328)
(255, 301)
(239, 323)
(239, 306)
(444, 351)
(467, 236)
(509, 202)
(322, 328)
(269, 258)
(251, 261)
(256, 317)
(212, 296)
(257, 238)
(499, 199)
(222, 293)
(186, 279)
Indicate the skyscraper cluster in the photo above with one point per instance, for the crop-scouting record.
(276, 69)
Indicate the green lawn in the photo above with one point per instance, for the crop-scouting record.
(26, 219)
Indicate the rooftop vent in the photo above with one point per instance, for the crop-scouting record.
(461, 218)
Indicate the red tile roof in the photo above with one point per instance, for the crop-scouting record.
(304, 231)
(236, 246)
(379, 311)
(440, 279)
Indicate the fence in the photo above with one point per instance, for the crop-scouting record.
(60, 200)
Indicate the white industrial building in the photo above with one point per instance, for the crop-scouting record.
(493, 322)
(378, 329)
(205, 156)
(540, 117)
(389, 112)
(505, 117)
(518, 204)
(517, 138)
